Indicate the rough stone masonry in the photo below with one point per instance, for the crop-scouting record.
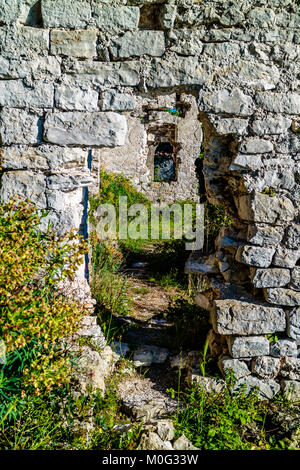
(86, 82)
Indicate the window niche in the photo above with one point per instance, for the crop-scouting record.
(164, 162)
(163, 149)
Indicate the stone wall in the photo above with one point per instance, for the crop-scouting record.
(79, 80)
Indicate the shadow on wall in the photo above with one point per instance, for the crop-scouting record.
(34, 17)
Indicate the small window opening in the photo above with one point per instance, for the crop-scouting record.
(164, 162)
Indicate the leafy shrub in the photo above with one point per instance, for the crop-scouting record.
(33, 316)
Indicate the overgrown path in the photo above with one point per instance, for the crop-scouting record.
(153, 321)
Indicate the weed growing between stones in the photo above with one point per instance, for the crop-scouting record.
(227, 421)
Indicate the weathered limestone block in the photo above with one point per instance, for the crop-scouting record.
(39, 68)
(288, 103)
(110, 74)
(293, 322)
(273, 277)
(228, 102)
(291, 389)
(284, 347)
(218, 51)
(271, 126)
(168, 16)
(236, 317)
(164, 428)
(286, 258)
(14, 94)
(139, 43)
(9, 11)
(43, 157)
(247, 347)
(67, 14)
(280, 296)
(264, 236)
(183, 443)
(239, 368)
(23, 41)
(93, 368)
(18, 126)
(292, 238)
(260, 77)
(112, 19)
(246, 162)
(266, 367)
(261, 17)
(94, 129)
(72, 98)
(255, 255)
(60, 200)
(62, 222)
(152, 441)
(210, 384)
(290, 368)
(79, 43)
(265, 209)
(267, 389)
(295, 278)
(186, 42)
(253, 145)
(227, 126)
(288, 144)
(112, 100)
(179, 71)
(25, 184)
(70, 181)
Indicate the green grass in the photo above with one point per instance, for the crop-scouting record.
(227, 421)
(140, 290)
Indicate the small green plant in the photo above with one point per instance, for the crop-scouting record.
(140, 290)
(215, 218)
(272, 337)
(269, 191)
